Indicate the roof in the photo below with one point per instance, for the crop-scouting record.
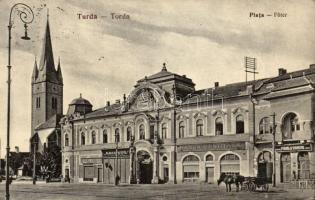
(164, 75)
(80, 101)
(52, 122)
(106, 111)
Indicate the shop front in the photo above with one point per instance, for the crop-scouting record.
(116, 163)
(295, 161)
(205, 162)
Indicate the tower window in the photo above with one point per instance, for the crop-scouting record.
(54, 103)
(37, 102)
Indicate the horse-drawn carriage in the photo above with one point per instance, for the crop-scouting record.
(252, 183)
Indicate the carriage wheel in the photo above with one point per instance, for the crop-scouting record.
(252, 187)
(265, 187)
(246, 187)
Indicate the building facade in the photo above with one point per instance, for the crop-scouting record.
(165, 131)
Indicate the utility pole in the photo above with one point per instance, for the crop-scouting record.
(274, 149)
(34, 162)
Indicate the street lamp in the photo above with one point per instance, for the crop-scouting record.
(26, 16)
(116, 157)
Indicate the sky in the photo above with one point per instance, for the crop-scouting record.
(103, 58)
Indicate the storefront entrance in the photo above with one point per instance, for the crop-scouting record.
(145, 167)
(285, 167)
(209, 174)
(265, 165)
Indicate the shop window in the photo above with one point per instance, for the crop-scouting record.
(230, 164)
(82, 139)
(219, 126)
(199, 127)
(164, 131)
(290, 125)
(105, 136)
(66, 140)
(93, 137)
(265, 126)
(239, 124)
(117, 135)
(191, 168)
(209, 157)
(129, 132)
(141, 132)
(181, 130)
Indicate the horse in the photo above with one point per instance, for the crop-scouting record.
(231, 179)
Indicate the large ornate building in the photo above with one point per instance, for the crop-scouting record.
(166, 131)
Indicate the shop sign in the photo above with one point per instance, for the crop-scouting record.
(306, 147)
(111, 153)
(91, 160)
(212, 146)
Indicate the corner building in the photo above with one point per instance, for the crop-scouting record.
(165, 131)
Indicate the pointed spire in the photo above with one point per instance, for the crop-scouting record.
(47, 58)
(59, 74)
(35, 71)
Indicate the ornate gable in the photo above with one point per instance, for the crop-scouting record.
(147, 96)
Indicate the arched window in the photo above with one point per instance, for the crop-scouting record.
(141, 132)
(82, 139)
(290, 125)
(181, 129)
(239, 124)
(191, 168)
(164, 131)
(230, 164)
(117, 135)
(219, 126)
(209, 157)
(129, 133)
(66, 140)
(199, 127)
(93, 137)
(265, 126)
(105, 136)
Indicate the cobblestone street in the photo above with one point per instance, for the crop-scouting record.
(99, 191)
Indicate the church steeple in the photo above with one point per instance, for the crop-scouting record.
(47, 70)
(35, 72)
(59, 74)
(47, 85)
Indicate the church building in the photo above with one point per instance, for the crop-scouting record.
(47, 99)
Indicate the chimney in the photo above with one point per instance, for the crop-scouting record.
(216, 84)
(184, 76)
(108, 103)
(312, 66)
(17, 150)
(282, 71)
